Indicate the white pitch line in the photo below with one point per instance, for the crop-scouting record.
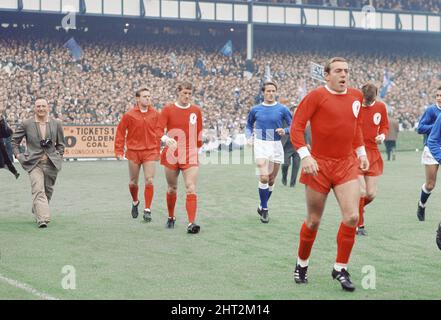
(26, 288)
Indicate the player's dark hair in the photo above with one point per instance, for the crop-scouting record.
(439, 88)
(327, 68)
(370, 92)
(184, 85)
(267, 83)
(138, 92)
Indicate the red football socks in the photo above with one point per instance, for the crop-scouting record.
(361, 211)
(307, 238)
(191, 206)
(148, 195)
(345, 242)
(367, 201)
(134, 192)
(171, 202)
(363, 203)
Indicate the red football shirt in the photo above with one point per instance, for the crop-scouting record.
(137, 131)
(375, 122)
(184, 124)
(335, 122)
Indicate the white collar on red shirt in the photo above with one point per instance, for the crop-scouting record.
(335, 92)
(369, 105)
(141, 110)
(182, 107)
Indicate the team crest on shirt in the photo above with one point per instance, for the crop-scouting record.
(377, 118)
(356, 108)
(193, 118)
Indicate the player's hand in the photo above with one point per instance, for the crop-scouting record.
(310, 166)
(280, 131)
(171, 143)
(309, 147)
(119, 157)
(364, 163)
(379, 139)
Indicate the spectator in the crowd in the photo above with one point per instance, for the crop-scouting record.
(98, 88)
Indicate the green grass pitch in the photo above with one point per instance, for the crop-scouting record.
(234, 257)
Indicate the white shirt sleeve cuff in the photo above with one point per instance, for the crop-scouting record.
(361, 151)
(164, 138)
(303, 152)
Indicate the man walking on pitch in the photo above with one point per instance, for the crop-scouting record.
(430, 164)
(136, 133)
(391, 138)
(182, 121)
(375, 128)
(333, 112)
(268, 150)
(434, 145)
(43, 156)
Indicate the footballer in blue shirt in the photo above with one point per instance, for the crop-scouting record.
(434, 145)
(267, 118)
(425, 126)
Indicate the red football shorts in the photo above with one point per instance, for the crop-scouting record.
(181, 161)
(375, 163)
(141, 156)
(332, 172)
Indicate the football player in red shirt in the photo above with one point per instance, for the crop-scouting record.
(333, 113)
(375, 128)
(136, 133)
(183, 138)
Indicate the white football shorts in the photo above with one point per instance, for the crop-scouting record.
(270, 150)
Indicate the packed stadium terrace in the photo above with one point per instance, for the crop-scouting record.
(429, 6)
(99, 88)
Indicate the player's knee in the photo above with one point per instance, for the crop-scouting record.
(148, 180)
(264, 179)
(371, 195)
(172, 189)
(190, 188)
(133, 182)
(313, 223)
(430, 185)
(363, 193)
(351, 219)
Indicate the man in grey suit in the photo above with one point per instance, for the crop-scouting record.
(291, 155)
(43, 156)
